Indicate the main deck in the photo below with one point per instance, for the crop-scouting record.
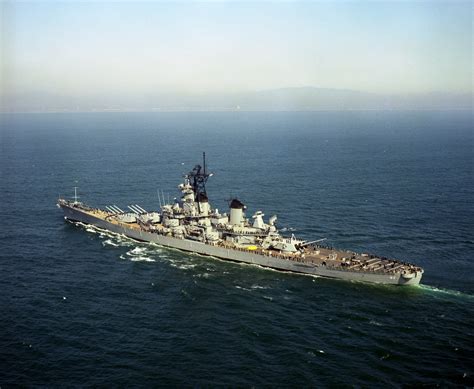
(312, 256)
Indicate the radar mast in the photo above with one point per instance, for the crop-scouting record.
(198, 178)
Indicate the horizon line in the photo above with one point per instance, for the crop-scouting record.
(231, 110)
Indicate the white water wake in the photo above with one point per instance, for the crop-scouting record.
(449, 292)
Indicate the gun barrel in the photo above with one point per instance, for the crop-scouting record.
(140, 208)
(131, 209)
(135, 209)
(312, 242)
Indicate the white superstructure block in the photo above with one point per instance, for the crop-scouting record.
(204, 208)
(258, 222)
(236, 216)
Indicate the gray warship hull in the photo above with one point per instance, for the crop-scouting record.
(232, 254)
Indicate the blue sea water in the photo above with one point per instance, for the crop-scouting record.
(80, 307)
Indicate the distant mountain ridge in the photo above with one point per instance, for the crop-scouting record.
(312, 98)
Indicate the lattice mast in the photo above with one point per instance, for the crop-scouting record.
(198, 178)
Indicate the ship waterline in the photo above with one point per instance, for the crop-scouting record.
(192, 225)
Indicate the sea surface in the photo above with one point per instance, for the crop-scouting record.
(82, 307)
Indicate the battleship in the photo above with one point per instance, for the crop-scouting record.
(190, 224)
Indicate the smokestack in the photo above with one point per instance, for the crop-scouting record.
(236, 212)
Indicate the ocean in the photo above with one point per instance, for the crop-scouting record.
(81, 307)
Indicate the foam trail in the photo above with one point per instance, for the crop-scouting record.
(142, 259)
(182, 266)
(136, 251)
(202, 275)
(114, 239)
(259, 287)
(450, 292)
(109, 242)
(242, 288)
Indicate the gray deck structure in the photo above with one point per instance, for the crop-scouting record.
(191, 224)
(315, 260)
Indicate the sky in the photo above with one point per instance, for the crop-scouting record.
(81, 51)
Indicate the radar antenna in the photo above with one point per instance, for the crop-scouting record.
(198, 178)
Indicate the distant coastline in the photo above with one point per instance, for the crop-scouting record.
(274, 100)
(230, 110)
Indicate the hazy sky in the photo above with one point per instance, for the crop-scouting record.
(82, 49)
